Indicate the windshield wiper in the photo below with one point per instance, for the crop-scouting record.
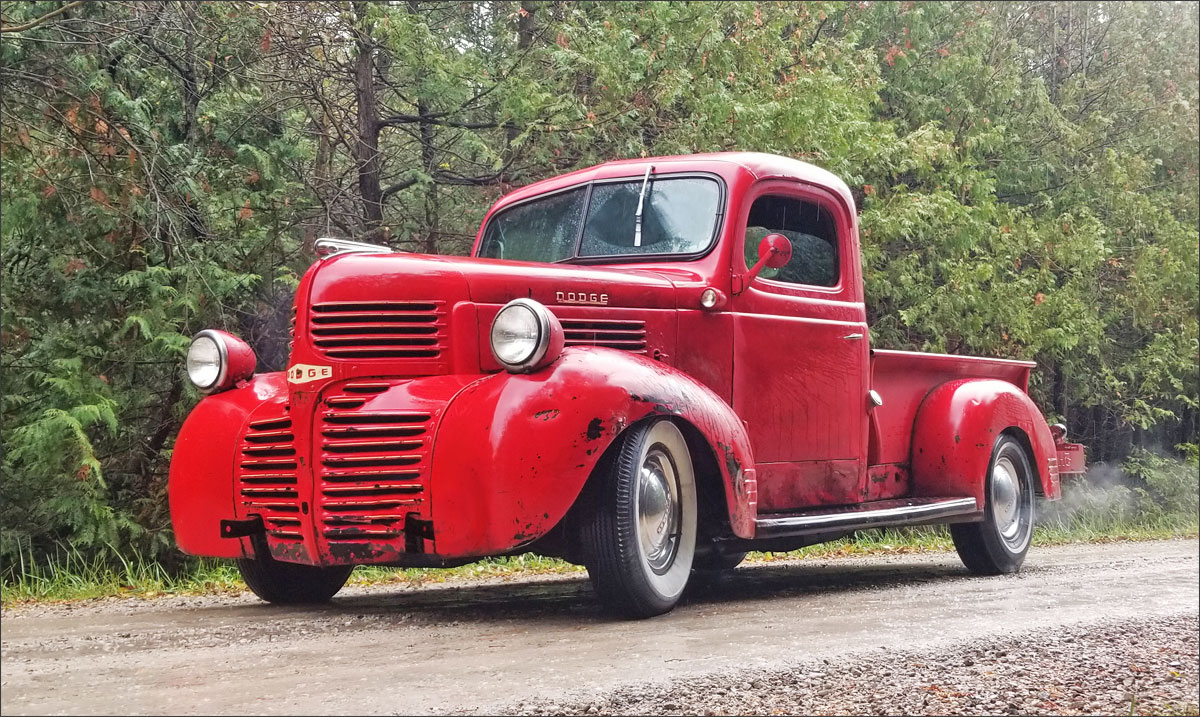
(637, 217)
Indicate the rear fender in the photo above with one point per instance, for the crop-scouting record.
(200, 485)
(521, 447)
(958, 424)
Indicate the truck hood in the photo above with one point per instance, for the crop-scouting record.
(422, 315)
(401, 277)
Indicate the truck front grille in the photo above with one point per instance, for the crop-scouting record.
(378, 329)
(267, 477)
(624, 335)
(372, 466)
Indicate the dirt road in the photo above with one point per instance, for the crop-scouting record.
(514, 645)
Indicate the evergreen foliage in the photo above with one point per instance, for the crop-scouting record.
(1026, 172)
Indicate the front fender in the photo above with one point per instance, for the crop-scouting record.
(200, 484)
(523, 446)
(958, 424)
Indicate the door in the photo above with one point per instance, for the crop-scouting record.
(801, 351)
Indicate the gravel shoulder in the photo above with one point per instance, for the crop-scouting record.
(1140, 666)
(533, 645)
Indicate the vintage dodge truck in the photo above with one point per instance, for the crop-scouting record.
(648, 367)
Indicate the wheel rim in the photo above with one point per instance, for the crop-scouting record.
(659, 517)
(1009, 503)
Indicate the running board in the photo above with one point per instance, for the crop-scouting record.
(876, 514)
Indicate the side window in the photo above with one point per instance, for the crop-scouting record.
(809, 227)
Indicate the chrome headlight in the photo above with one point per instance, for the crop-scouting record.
(207, 360)
(525, 336)
(217, 360)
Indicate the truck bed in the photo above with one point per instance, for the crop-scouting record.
(904, 378)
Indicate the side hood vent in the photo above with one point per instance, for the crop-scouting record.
(381, 329)
(614, 334)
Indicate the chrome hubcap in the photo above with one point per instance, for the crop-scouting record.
(658, 509)
(1008, 503)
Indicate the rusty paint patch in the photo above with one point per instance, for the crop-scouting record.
(547, 415)
(660, 405)
(595, 429)
(360, 552)
(289, 552)
(732, 464)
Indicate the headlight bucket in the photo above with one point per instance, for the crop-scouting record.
(525, 336)
(217, 360)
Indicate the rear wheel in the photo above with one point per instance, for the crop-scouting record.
(641, 538)
(290, 583)
(999, 542)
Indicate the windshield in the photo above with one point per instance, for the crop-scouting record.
(679, 216)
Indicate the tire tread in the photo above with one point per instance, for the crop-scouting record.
(284, 583)
(614, 560)
(978, 544)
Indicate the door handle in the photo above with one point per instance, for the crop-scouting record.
(853, 337)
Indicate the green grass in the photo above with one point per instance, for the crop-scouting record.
(69, 575)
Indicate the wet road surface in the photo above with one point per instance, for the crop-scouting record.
(480, 646)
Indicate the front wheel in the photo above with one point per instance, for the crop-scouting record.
(641, 538)
(290, 583)
(999, 542)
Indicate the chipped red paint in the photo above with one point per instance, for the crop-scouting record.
(401, 440)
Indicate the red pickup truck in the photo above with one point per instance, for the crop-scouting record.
(648, 367)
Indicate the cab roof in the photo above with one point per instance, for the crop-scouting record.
(758, 165)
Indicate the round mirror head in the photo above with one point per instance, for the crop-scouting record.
(777, 248)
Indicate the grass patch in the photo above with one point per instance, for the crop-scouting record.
(70, 575)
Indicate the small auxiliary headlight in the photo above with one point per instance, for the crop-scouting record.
(711, 299)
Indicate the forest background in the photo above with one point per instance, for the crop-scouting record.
(1026, 174)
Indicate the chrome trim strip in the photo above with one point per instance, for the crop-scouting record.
(328, 246)
(899, 515)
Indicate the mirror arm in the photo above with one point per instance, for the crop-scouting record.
(741, 281)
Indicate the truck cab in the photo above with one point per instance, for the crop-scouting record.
(648, 367)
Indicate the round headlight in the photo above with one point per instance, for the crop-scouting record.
(217, 360)
(206, 360)
(525, 336)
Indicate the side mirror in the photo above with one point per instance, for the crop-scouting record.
(774, 251)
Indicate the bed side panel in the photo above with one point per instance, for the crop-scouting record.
(904, 378)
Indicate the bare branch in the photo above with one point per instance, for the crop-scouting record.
(34, 23)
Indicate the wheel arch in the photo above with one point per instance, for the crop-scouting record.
(532, 442)
(200, 485)
(1022, 438)
(713, 503)
(955, 431)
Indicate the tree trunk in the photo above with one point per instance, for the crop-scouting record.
(367, 147)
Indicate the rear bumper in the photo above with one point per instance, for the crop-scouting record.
(1071, 458)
